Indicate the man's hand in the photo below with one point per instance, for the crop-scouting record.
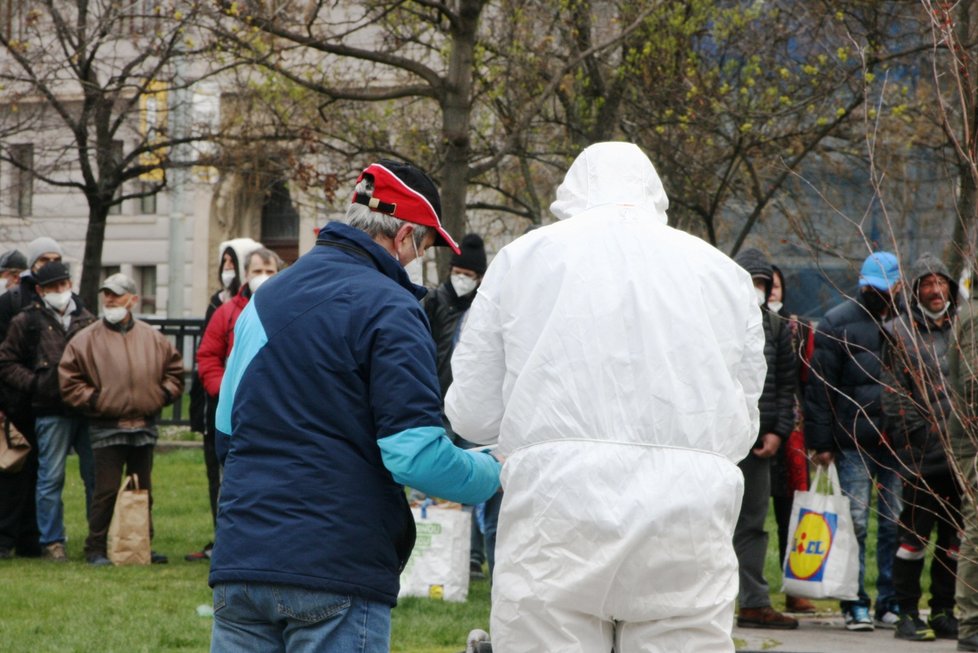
(769, 445)
(823, 458)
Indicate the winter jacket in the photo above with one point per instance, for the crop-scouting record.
(963, 364)
(203, 406)
(842, 399)
(916, 373)
(618, 363)
(20, 297)
(329, 405)
(30, 354)
(445, 310)
(120, 376)
(215, 346)
(776, 404)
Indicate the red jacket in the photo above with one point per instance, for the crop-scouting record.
(215, 346)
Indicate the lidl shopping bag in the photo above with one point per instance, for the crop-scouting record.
(822, 560)
(439, 565)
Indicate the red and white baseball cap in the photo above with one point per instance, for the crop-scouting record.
(407, 193)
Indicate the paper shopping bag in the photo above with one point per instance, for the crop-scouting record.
(14, 448)
(822, 560)
(439, 564)
(129, 531)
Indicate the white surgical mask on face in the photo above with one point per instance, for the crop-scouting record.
(761, 296)
(463, 284)
(227, 277)
(115, 314)
(775, 306)
(58, 300)
(257, 281)
(3, 285)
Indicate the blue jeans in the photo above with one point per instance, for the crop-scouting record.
(858, 472)
(262, 617)
(56, 435)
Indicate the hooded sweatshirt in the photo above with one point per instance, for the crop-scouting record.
(916, 373)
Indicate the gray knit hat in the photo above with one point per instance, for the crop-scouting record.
(40, 246)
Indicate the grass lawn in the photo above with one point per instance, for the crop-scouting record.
(74, 607)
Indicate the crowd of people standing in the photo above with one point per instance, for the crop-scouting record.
(565, 372)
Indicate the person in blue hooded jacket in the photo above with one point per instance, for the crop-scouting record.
(329, 405)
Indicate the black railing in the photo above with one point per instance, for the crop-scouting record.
(185, 333)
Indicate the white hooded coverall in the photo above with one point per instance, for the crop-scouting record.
(619, 362)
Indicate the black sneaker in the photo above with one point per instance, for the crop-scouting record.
(944, 624)
(475, 571)
(911, 627)
(158, 558)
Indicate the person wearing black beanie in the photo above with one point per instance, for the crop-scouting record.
(446, 307)
(472, 255)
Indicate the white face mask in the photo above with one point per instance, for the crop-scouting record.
(227, 277)
(257, 281)
(761, 296)
(115, 314)
(775, 306)
(58, 300)
(463, 284)
(3, 285)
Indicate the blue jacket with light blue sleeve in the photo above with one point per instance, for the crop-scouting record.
(330, 403)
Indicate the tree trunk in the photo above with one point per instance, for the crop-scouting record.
(92, 260)
(960, 251)
(456, 117)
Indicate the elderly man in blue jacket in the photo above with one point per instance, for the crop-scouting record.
(330, 404)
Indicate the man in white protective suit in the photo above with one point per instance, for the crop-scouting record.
(618, 363)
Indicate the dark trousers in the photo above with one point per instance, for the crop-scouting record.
(18, 509)
(210, 457)
(928, 502)
(110, 462)
(782, 515)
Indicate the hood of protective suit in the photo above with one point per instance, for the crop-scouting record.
(588, 185)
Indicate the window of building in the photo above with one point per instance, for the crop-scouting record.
(147, 203)
(146, 282)
(22, 179)
(280, 222)
(12, 18)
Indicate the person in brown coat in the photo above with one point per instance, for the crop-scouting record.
(121, 372)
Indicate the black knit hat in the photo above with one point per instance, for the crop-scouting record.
(51, 272)
(472, 255)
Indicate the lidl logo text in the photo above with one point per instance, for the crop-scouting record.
(811, 544)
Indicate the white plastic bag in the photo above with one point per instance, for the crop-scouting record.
(439, 565)
(822, 560)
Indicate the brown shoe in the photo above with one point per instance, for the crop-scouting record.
(799, 605)
(55, 552)
(766, 617)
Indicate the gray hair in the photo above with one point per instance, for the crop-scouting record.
(375, 223)
(267, 256)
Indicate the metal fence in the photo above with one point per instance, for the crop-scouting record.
(185, 333)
